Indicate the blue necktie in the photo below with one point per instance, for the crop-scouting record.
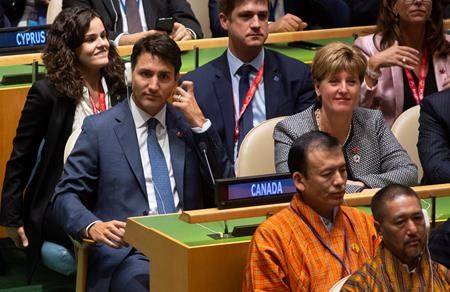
(246, 123)
(160, 174)
(133, 16)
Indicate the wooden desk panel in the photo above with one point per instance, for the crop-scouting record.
(12, 101)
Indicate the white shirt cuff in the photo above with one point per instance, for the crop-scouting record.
(202, 129)
(86, 230)
(117, 39)
(194, 35)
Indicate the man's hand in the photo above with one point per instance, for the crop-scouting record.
(184, 100)
(17, 234)
(131, 39)
(180, 32)
(288, 22)
(109, 233)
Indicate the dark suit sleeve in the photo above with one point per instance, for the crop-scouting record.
(434, 144)
(363, 12)
(76, 3)
(440, 244)
(78, 185)
(305, 94)
(181, 11)
(30, 133)
(214, 21)
(221, 165)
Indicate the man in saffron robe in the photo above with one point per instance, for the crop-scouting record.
(403, 262)
(315, 242)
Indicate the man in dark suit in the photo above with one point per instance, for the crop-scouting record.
(295, 15)
(282, 20)
(145, 156)
(127, 21)
(228, 88)
(434, 138)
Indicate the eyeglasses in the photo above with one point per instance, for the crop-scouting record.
(409, 2)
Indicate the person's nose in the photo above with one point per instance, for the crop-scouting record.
(255, 22)
(339, 179)
(102, 42)
(153, 83)
(343, 88)
(411, 227)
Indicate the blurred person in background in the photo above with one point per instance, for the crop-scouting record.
(407, 56)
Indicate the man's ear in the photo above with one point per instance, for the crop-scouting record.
(378, 227)
(299, 181)
(223, 21)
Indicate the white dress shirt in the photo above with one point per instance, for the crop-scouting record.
(259, 100)
(140, 119)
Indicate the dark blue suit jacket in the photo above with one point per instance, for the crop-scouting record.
(288, 90)
(317, 13)
(103, 179)
(434, 138)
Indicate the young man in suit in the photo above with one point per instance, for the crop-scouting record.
(127, 21)
(296, 15)
(249, 84)
(143, 157)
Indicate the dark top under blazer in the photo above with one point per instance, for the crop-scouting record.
(103, 178)
(47, 117)
(434, 138)
(288, 90)
(109, 10)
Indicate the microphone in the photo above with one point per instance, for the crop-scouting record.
(203, 147)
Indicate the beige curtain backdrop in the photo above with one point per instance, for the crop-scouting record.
(200, 8)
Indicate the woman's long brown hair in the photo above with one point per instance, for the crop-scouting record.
(64, 36)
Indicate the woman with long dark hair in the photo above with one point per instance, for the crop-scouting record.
(407, 56)
(84, 77)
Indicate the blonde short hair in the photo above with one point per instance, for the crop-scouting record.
(336, 57)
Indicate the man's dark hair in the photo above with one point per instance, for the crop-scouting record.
(227, 6)
(298, 153)
(159, 45)
(389, 193)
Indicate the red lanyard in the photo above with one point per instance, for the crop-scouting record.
(419, 90)
(101, 101)
(248, 98)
